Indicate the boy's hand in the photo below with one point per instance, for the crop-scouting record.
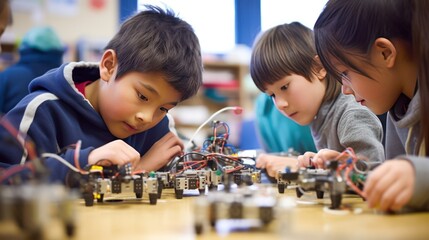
(317, 159)
(160, 153)
(273, 163)
(390, 186)
(305, 159)
(116, 152)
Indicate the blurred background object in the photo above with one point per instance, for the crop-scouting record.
(39, 51)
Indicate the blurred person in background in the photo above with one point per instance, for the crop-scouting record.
(39, 51)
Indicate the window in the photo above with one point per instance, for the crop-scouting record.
(213, 21)
(275, 12)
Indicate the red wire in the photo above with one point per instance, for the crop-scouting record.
(20, 137)
(14, 169)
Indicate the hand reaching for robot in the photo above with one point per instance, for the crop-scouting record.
(116, 152)
(304, 160)
(390, 186)
(318, 159)
(273, 164)
(160, 153)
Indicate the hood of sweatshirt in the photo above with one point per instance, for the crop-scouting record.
(61, 83)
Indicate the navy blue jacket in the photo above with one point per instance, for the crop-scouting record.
(55, 115)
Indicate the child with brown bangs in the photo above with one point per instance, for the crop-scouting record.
(382, 60)
(285, 65)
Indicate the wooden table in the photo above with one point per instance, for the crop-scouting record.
(173, 218)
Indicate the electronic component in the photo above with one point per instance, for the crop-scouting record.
(345, 172)
(318, 180)
(114, 180)
(244, 208)
(33, 207)
(189, 180)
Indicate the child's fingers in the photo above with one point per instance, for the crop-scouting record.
(324, 155)
(274, 166)
(399, 191)
(104, 162)
(171, 140)
(401, 199)
(308, 155)
(117, 152)
(384, 185)
(272, 172)
(380, 181)
(301, 161)
(261, 161)
(370, 186)
(305, 159)
(173, 151)
(389, 194)
(318, 162)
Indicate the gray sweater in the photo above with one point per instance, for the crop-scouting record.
(404, 123)
(343, 123)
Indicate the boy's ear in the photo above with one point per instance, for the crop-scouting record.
(108, 64)
(320, 71)
(384, 51)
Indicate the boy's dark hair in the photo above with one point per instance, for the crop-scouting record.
(338, 32)
(155, 40)
(284, 50)
(351, 27)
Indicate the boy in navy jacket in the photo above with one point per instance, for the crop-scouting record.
(113, 111)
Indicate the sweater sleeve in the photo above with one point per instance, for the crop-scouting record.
(362, 131)
(420, 197)
(40, 131)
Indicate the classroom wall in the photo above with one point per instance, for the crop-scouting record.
(71, 19)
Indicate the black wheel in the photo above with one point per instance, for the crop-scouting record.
(159, 193)
(319, 194)
(179, 193)
(101, 198)
(89, 199)
(212, 187)
(236, 210)
(153, 197)
(70, 228)
(198, 228)
(213, 214)
(139, 195)
(202, 191)
(266, 214)
(160, 187)
(336, 201)
(35, 234)
(298, 192)
(281, 187)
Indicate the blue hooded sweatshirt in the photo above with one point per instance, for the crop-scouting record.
(55, 115)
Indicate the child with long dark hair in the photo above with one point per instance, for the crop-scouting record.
(379, 51)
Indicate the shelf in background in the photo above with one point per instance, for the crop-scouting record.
(223, 86)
